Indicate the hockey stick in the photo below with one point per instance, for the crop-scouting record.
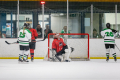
(35, 41)
(10, 43)
(58, 58)
(117, 47)
(41, 40)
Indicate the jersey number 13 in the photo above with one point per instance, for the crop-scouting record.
(22, 35)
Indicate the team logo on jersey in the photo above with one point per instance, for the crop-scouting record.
(60, 44)
(22, 35)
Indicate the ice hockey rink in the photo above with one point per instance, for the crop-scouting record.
(95, 69)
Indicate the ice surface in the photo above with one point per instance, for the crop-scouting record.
(10, 69)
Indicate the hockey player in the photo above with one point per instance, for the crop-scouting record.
(33, 41)
(59, 48)
(109, 40)
(24, 37)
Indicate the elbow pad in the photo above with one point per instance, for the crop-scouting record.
(113, 30)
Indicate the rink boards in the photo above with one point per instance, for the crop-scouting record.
(96, 49)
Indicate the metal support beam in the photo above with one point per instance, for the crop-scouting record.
(50, 21)
(67, 15)
(11, 25)
(116, 26)
(43, 20)
(18, 17)
(91, 21)
(100, 22)
(35, 19)
(82, 24)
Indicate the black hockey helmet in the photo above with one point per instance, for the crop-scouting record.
(28, 24)
(108, 25)
(25, 24)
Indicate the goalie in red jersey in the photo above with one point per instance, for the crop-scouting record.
(60, 50)
(33, 41)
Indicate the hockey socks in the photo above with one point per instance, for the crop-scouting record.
(114, 55)
(20, 58)
(25, 58)
(32, 53)
(107, 56)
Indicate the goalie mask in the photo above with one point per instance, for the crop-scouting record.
(56, 36)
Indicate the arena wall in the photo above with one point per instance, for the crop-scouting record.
(96, 50)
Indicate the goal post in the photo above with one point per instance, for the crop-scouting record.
(79, 41)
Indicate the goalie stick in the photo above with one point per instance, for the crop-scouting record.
(16, 42)
(42, 40)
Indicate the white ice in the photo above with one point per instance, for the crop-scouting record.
(10, 69)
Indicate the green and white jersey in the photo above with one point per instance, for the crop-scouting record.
(24, 38)
(109, 36)
(64, 32)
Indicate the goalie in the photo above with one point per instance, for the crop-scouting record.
(60, 50)
(109, 40)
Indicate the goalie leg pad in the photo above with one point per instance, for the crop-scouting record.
(53, 53)
(53, 58)
(67, 54)
(63, 57)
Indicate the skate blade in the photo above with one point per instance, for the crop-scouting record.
(32, 60)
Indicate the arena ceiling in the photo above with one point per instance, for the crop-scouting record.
(58, 7)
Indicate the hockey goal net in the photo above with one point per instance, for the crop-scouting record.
(79, 41)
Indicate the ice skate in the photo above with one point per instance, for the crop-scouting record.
(25, 60)
(20, 60)
(115, 59)
(32, 59)
(107, 58)
(67, 60)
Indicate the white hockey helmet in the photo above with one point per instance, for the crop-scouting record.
(56, 36)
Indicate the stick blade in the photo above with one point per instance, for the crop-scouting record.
(7, 42)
